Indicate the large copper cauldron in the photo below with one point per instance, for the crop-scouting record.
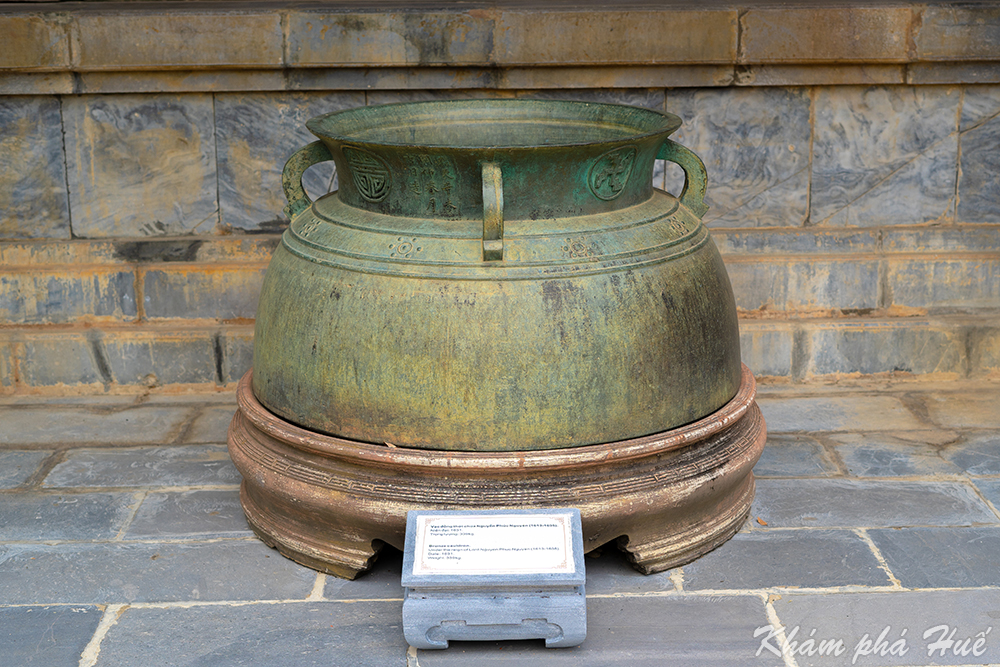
(496, 309)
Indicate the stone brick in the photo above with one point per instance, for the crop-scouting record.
(978, 187)
(576, 37)
(238, 351)
(117, 572)
(188, 514)
(842, 34)
(794, 456)
(958, 33)
(944, 557)
(50, 636)
(882, 455)
(837, 413)
(795, 241)
(691, 75)
(36, 83)
(211, 425)
(755, 146)
(375, 39)
(172, 357)
(33, 198)
(972, 238)
(199, 291)
(951, 284)
(884, 155)
(964, 409)
(833, 503)
(984, 350)
(67, 359)
(648, 98)
(257, 134)
(153, 39)
(141, 165)
(787, 558)
(59, 424)
(766, 348)
(39, 517)
(922, 74)
(856, 616)
(45, 297)
(181, 81)
(6, 364)
(805, 285)
(391, 78)
(16, 466)
(303, 634)
(886, 346)
(990, 488)
(693, 631)
(33, 42)
(199, 465)
(841, 74)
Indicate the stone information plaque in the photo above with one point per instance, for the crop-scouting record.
(493, 575)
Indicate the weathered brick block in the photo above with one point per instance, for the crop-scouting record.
(193, 291)
(984, 350)
(50, 360)
(842, 34)
(576, 37)
(803, 285)
(884, 155)
(96, 360)
(141, 165)
(959, 283)
(36, 297)
(6, 365)
(958, 33)
(36, 83)
(795, 241)
(257, 133)
(174, 38)
(755, 145)
(181, 357)
(963, 238)
(238, 353)
(978, 187)
(33, 42)
(906, 346)
(33, 201)
(766, 348)
(390, 38)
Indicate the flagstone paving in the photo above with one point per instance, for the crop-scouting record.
(874, 539)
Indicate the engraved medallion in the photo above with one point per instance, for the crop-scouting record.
(370, 174)
(610, 172)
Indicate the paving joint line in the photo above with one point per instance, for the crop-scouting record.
(883, 565)
(138, 498)
(779, 631)
(88, 658)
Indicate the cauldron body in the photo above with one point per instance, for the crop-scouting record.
(495, 275)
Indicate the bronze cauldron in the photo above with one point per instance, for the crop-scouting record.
(496, 309)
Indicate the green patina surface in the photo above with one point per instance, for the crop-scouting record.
(495, 275)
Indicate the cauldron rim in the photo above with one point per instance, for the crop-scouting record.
(344, 126)
(480, 461)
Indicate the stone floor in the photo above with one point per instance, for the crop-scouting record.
(875, 534)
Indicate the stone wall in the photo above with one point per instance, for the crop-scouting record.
(853, 157)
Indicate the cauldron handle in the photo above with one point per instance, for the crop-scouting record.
(695, 176)
(492, 212)
(291, 177)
